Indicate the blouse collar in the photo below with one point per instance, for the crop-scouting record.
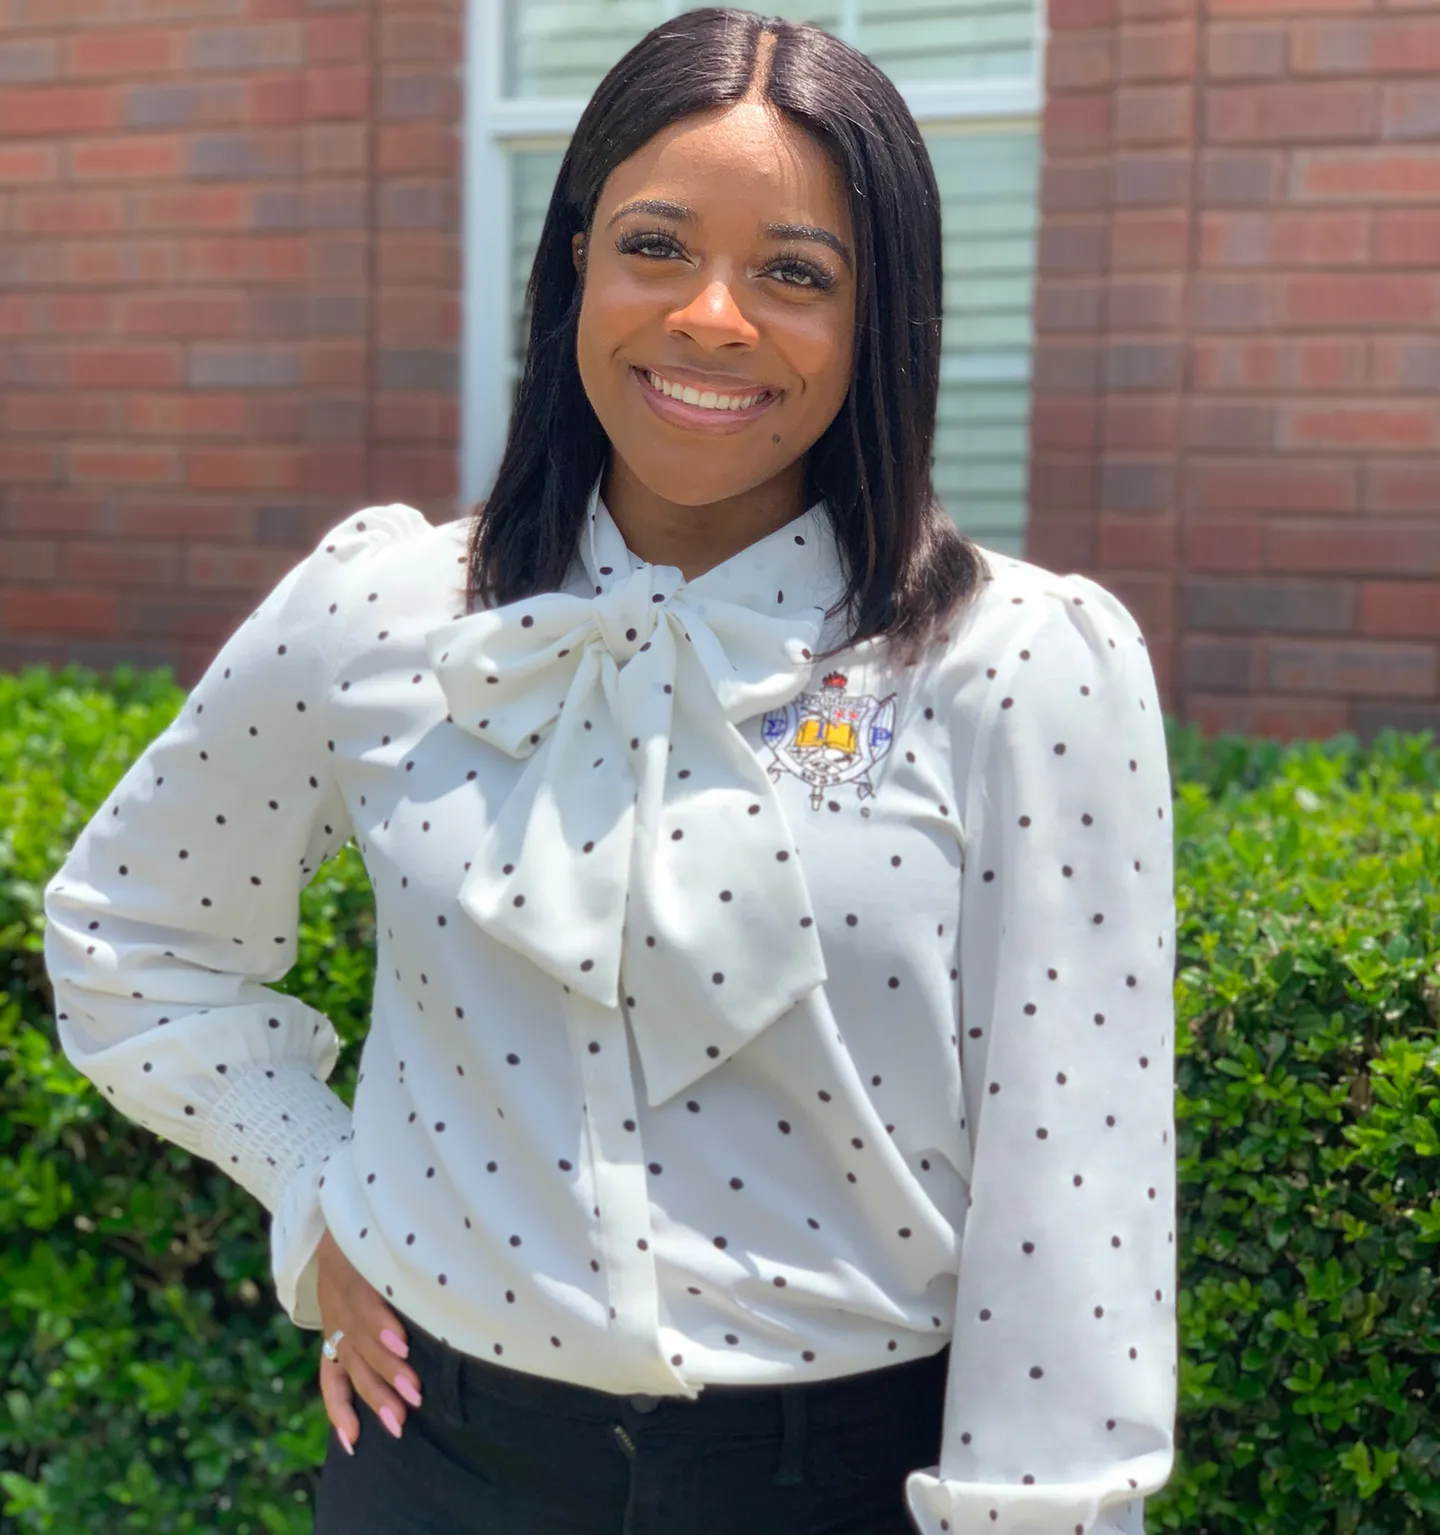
(643, 857)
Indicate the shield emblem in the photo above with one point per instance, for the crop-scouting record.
(830, 738)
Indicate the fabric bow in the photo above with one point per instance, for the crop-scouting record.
(644, 856)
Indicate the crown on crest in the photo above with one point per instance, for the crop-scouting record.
(836, 680)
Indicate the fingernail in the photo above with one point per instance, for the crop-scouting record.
(395, 1343)
(403, 1386)
(388, 1418)
(344, 1439)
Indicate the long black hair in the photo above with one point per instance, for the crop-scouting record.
(908, 566)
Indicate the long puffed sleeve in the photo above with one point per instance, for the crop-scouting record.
(180, 900)
(1061, 1399)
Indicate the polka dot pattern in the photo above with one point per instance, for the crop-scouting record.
(986, 1067)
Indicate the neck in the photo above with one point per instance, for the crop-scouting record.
(695, 539)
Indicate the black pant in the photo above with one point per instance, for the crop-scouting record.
(495, 1451)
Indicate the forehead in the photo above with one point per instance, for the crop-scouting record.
(743, 161)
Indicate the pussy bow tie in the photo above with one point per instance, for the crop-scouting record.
(643, 857)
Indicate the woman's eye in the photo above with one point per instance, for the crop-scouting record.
(647, 245)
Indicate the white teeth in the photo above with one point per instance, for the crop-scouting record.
(708, 400)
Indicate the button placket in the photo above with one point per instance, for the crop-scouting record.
(621, 1192)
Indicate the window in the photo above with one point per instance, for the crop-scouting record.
(970, 71)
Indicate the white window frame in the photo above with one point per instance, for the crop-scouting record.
(493, 125)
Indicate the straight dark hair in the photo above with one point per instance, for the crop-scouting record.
(908, 566)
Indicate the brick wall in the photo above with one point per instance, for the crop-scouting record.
(1237, 407)
(229, 304)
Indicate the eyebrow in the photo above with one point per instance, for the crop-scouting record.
(664, 208)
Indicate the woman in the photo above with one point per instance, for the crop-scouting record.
(772, 885)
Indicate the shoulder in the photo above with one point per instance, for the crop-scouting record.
(1063, 638)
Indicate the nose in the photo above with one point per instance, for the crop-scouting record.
(713, 317)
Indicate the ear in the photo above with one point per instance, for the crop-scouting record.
(577, 251)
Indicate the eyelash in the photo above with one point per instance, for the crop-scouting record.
(788, 260)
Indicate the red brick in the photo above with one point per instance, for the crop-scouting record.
(1403, 485)
(1412, 111)
(248, 258)
(1284, 239)
(1061, 543)
(1280, 719)
(1370, 668)
(337, 93)
(1343, 299)
(398, 417)
(1230, 425)
(1365, 547)
(1074, 124)
(123, 463)
(68, 213)
(1245, 53)
(1377, 46)
(1145, 303)
(1242, 177)
(339, 471)
(121, 562)
(1069, 186)
(190, 520)
(1155, 114)
(1063, 421)
(1272, 485)
(190, 208)
(417, 318)
(1292, 113)
(205, 315)
(1138, 542)
(1078, 61)
(340, 39)
(1146, 421)
(1217, 544)
(1301, 363)
(223, 565)
(415, 475)
(1150, 238)
(1162, 52)
(1250, 8)
(277, 99)
(1066, 14)
(35, 462)
(420, 39)
(1233, 303)
(417, 148)
(419, 256)
(65, 413)
(242, 468)
(1408, 238)
(53, 610)
(1366, 175)
(1406, 363)
(1360, 424)
(1072, 245)
(103, 366)
(133, 157)
(1408, 609)
(199, 414)
(25, 164)
(31, 559)
(128, 51)
(337, 149)
(54, 110)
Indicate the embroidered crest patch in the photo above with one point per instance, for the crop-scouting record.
(831, 737)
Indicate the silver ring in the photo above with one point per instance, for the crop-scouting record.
(328, 1346)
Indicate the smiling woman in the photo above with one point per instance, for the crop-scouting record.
(765, 1121)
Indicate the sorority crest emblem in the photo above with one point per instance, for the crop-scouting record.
(831, 737)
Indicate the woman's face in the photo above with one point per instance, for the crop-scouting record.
(708, 298)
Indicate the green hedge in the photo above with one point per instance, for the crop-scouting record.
(153, 1384)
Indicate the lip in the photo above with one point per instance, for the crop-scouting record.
(695, 418)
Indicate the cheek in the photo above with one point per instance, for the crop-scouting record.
(821, 354)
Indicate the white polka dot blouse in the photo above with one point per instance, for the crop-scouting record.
(745, 1010)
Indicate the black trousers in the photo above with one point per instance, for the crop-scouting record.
(495, 1451)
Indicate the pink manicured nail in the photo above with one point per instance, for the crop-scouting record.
(395, 1343)
(388, 1418)
(344, 1439)
(406, 1390)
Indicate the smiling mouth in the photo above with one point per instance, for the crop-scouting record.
(755, 396)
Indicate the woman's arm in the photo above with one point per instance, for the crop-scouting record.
(179, 902)
(1062, 1390)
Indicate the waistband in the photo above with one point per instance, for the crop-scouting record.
(735, 1406)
